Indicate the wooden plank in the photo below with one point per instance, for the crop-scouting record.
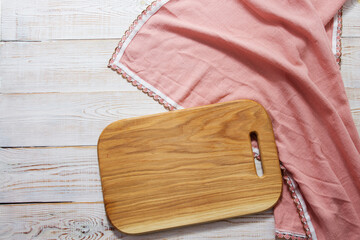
(188, 166)
(81, 19)
(68, 19)
(26, 131)
(354, 100)
(55, 221)
(350, 62)
(69, 174)
(0, 21)
(351, 19)
(88, 221)
(59, 66)
(81, 66)
(351, 75)
(66, 119)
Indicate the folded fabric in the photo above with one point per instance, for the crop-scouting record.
(187, 53)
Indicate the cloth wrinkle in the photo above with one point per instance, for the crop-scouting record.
(279, 54)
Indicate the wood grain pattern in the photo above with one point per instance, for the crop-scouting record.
(188, 166)
(55, 19)
(59, 66)
(55, 221)
(0, 22)
(88, 221)
(71, 174)
(62, 174)
(351, 62)
(351, 19)
(66, 119)
(65, 19)
(351, 75)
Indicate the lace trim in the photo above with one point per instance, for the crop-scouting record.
(120, 71)
(161, 100)
(338, 37)
(287, 235)
(287, 178)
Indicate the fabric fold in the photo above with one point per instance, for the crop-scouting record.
(187, 53)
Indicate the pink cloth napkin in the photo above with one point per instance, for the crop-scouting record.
(186, 53)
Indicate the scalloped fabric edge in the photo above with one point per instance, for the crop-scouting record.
(126, 73)
(301, 208)
(337, 34)
(288, 235)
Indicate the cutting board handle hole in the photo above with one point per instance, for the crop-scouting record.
(256, 153)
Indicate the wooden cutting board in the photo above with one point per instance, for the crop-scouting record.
(187, 166)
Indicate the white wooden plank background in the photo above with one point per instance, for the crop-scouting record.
(29, 67)
(56, 95)
(66, 119)
(47, 174)
(96, 19)
(68, 19)
(87, 221)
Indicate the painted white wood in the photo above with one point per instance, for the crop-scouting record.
(67, 174)
(95, 19)
(66, 119)
(350, 71)
(351, 19)
(71, 174)
(59, 66)
(0, 21)
(350, 67)
(68, 19)
(33, 67)
(88, 221)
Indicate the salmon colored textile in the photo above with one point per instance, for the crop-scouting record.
(188, 53)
